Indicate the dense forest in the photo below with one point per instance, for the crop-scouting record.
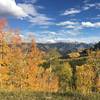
(35, 70)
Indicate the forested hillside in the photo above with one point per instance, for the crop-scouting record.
(97, 46)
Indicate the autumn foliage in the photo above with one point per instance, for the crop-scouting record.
(20, 69)
(33, 69)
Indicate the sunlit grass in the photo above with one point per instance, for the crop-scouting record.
(29, 95)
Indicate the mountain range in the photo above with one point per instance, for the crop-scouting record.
(63, 47)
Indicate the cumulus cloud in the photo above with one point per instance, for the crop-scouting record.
(25, 10)
(90, 24)
(78, 25)
(29, 9)
(34, 16)
(71, 11)
(72, 28)
(9, 7)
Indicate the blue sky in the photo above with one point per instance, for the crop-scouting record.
(54, 20)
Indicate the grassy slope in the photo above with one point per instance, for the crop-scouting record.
(45, 96)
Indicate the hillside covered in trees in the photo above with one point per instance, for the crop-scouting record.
(97, 46)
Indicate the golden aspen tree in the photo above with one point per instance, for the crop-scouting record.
(17, 64)
(94, 61)
(4, 77)
(34, 59)
(85, 78)
(65, 77)
(4, 55)
(2, 35)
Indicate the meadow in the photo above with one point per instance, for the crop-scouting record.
(29, 95)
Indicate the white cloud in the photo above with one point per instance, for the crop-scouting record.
(71, 11)
(92, 39)
(66, 23)
(29, 9)
(79, 25)
(70, 39)
(86, 8)
(87, 24)
(91, 5)
(25, 10)
(40, 20)
(64, 36)
(90, 24)
(53, 33)
(34, 16)
(9, 7)
(73, 32)
(70, 25)
(44, 40)
(48, 32)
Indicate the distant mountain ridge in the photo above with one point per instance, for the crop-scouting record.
(63, 47)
